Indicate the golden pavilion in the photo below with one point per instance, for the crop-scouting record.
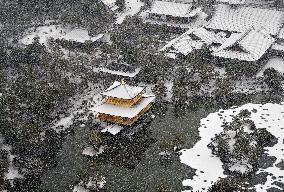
(123, 104)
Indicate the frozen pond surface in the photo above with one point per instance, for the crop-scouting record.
(209, 167)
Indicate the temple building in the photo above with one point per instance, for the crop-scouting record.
(172, 13)
(123, 104)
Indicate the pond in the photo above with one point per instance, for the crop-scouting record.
(147, 172)
(137, 165)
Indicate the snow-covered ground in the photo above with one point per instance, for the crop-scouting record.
(57, 32)
(132, 8)
(98, 184)
(90, 151)
(209, 167)
(276, 63)
(13, 172)
(113, 129)
(169, 86)
(91, 95)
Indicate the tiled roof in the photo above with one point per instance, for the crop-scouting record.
(121, 111)
(254, 44)
(171, 8)
(242, 18)
(122, 91)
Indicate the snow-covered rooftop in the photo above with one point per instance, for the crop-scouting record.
(171, 8)
(208, 37)
(120, 111)
(185, 43)
(242, 18)
(122, 90)
(254, 43)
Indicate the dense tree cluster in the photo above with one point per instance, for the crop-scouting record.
(273, 79)
(34, 89)
(228, 184)
(241, 143)
(92, 14)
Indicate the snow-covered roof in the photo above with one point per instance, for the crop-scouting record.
(254, 44)
(170, 8)
(230, 41)
(208, 37)
(122, 90)
(126, 112)
(185, 44)
(242, 18)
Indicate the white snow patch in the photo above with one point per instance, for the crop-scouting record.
(13, 172)
(242, 167)
(113, 129)
(169, 85)
(64, 123)
(58, 32)
(132, 8)
(90, 151)
(269, 116)
(79, 188)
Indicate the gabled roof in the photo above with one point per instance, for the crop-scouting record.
(254, 43)
(170, 8)
(121, 111)
(185, 44)
(208, 37)
(122, 90)
(242, 18)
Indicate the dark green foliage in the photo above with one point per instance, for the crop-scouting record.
(180, 87)
(244, 113)
(162, 188)
(264, 137)
(91, 14)
(120, 4)
(160, 89)
(4, 163)
(224, 88)
(228, 184)
(247, 146)
(272, 79)
(35, 89)
(238, 69)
